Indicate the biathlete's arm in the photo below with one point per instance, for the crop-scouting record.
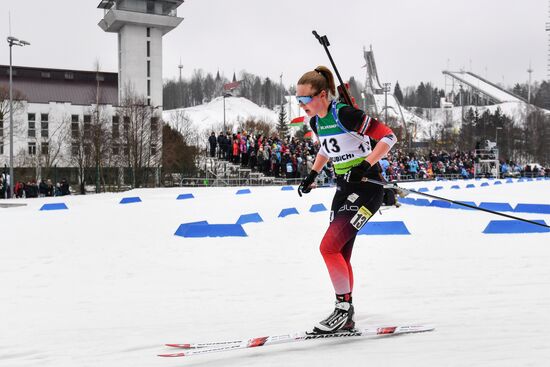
(358, 121)
(380, 150)
(320, 161)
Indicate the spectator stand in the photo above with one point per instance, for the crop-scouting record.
(486, 162)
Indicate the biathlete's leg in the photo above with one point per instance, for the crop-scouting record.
(338, 234)
(346, 253)
(337, 244)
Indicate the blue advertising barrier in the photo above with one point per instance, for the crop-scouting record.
(409, 201)
(185, 196)
(384, 228)
(485, 184)
(54, 206)
(287, 188)
(317, 208)
(456, 187)
(470, 186)
(456, 206)
(496, 207)
(532, 208)
(422, 202)
(288, 211)
(213, 230)
(129, 200)
(515, 226)
(423, 189)
(250, 218)
(243, 191)
(440, 204)
(183, 227)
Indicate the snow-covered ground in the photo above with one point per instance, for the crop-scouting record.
(105, 284)
(209, 116)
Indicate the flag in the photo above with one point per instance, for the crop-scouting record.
(297, 122)
(308, 135)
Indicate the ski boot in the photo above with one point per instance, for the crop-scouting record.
(341, 319)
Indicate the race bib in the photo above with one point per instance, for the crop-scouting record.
(359, 219)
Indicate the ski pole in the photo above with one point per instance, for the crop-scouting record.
(342, 88)
(409, 191)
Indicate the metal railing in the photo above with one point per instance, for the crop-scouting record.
(243, 181)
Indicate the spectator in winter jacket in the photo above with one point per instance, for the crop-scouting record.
(212, 141)
(221, 146)
(236, 152)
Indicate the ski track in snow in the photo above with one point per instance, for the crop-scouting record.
(104, 284)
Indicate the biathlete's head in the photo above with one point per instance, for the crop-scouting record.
(315, 90)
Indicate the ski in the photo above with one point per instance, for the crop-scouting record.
(224, 346)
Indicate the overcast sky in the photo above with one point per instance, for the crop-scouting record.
(413, 40)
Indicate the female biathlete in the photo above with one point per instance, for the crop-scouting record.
(355, 142)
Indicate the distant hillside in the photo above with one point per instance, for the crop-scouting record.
(209, 116)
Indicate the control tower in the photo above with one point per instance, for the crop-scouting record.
(140, 25)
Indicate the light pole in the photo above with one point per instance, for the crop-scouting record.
(12, 41)
(386, 90)
(225, 95)
(496, 137)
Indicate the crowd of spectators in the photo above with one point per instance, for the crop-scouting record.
(293, 158)
(32, 189)
(287, 158)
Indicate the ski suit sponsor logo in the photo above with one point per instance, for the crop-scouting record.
(343, 157)
(326, 127)
(348, 208)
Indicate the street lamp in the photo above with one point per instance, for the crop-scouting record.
(496, 137)
(12, 41)
(386, 91)
(225, 95)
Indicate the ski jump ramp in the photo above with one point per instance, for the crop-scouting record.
(484, 87)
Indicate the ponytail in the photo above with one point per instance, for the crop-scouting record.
(320, 79)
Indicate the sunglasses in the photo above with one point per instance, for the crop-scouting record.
(306, 99)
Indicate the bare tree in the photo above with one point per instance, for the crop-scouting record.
(141, 137)
(80, 151)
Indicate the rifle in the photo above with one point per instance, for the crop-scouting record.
(343, 88)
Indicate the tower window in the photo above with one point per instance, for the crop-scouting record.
(148, 68)
(148, 87)
(148, 32)
(150, 6)
(148, 48)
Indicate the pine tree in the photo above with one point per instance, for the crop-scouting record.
(542, 99)
(398, 94)
(268, 93)
(282, 124)
(302, 132)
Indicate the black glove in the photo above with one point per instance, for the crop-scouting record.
(307, 182)
(358, 172)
